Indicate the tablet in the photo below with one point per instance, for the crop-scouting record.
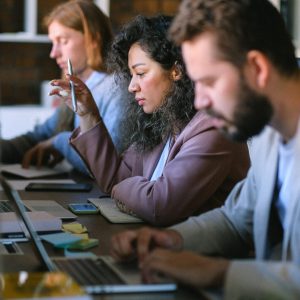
(59, 187)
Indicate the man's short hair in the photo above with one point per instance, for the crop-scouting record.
(239, 26)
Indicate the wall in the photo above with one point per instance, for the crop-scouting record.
(25, 65)
(121, 11)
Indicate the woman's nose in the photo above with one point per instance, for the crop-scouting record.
(133, 86)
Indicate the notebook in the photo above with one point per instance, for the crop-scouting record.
(111, 212)
(98, 275)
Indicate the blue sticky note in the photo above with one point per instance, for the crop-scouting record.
(79, 254)
(61, 239)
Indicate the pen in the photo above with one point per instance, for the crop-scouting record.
(74, 101)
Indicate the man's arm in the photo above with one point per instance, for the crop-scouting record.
(220, 231)
(252, 279)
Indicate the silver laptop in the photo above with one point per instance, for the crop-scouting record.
(99, 275)
(46, 220)
(49, 206)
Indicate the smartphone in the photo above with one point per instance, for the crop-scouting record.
(59, 187)
(83, 208)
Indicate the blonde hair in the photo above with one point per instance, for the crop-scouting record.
(86, 17)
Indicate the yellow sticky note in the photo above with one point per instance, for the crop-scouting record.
(74, 228)
(83, 236)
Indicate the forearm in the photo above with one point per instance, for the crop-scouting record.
(203, 235)
(89, 121)
(99, 154)
(250, 279)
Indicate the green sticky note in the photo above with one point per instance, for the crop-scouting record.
(84, 244)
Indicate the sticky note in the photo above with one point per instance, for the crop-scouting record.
(61, 239)
(74, 228)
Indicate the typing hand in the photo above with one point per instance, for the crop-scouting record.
(138, 244)
(184, 267)
(42, 154)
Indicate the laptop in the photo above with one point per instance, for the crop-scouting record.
(11, 230)
(97, 275)
(49, 206)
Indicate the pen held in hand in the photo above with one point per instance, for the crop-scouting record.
(73, 95)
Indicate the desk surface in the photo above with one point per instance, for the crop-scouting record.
(98, 227)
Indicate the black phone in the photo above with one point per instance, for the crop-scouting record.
(59, 187)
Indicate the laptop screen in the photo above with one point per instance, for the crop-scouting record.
(19, 208)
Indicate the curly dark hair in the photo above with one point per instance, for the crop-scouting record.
(145, 131)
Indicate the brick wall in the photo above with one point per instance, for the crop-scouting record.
(25, 65)
(121, 11)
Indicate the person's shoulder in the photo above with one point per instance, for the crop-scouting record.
(201, 122)
(109, 82)
(97, 77)
(202, 128)
(262, 144)
(267, 137)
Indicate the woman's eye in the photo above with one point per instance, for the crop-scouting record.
(140, 74)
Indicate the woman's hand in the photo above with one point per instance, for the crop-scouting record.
(87, 109)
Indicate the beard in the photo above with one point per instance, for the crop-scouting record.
(252, 113)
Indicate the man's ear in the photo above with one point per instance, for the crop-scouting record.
(176, 72)
(258, 68)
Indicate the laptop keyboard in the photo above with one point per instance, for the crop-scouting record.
(88, 271)
(5, 207)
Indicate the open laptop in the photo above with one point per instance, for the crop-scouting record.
(49, 206)
(99, 275)
(46, 215)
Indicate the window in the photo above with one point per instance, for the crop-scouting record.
(21, 20)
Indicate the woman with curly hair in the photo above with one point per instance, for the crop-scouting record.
(175, 163)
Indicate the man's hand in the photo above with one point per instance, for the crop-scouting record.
(138, 244)
(42, 154)
(184, 267)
